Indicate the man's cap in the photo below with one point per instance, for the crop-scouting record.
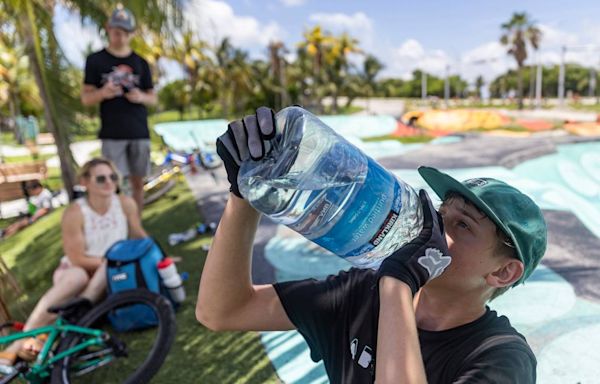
(511, 210)
(122, 18)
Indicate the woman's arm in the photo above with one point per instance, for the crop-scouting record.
(134, 224)
(74, 240)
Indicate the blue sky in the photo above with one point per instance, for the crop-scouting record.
(404, 35)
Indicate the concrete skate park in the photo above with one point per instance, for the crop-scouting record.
(557, 309)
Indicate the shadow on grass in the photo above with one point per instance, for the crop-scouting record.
(198, 355)
(33, 254)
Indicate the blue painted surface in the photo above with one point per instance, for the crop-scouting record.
(562, 329)
(178, 134)
(545, 309)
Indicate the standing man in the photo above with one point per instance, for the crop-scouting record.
(120, 81)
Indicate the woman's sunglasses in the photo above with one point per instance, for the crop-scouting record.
(101, 179)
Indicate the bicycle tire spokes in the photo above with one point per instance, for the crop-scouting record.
(88, 367)
(133, 356)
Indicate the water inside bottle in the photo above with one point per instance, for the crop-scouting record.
(324, 188)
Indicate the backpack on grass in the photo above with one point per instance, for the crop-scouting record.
(132, 264)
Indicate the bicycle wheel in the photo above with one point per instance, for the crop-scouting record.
(127, 357)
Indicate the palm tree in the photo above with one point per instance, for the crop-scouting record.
(371, 68)
(337, 64)
(190, 52)
(316, 43)
(32, 20)
(16, 82)
(152, 47)
(224, 53)
(517, 33)
(276, 50)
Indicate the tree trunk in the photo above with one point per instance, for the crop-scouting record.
(10, 291)
(520, 86)
(334, 106)
(61, 138)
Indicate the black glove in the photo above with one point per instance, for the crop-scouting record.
(249, 138)
(425, 257)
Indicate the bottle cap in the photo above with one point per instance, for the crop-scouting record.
(166, 262)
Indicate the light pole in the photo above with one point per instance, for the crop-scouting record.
(561, 77)
(592, 87)
(447, 85)
(423, 85)
(538, 84)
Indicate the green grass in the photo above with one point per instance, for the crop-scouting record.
(8, 138)
(343, 110)
(586, 108)
(404, 139)
(198, 355)
(26, 158)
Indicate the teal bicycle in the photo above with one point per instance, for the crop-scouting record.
(90, 351)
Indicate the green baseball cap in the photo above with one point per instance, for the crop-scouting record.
(511, 210)
(122, 18)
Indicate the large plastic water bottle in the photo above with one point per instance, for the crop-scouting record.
(321, 186)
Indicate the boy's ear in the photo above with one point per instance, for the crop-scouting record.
(506, 274)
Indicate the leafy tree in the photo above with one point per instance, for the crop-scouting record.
(32, 22)
(516, 34)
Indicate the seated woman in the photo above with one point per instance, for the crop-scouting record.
(90, 225)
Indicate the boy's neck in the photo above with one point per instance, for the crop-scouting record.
(438, 311)
(123, 51)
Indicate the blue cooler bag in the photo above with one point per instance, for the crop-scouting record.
(131, 264)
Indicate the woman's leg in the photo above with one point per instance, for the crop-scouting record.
(68, 283)
(96, 288)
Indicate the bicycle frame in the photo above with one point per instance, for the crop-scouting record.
(40, 369)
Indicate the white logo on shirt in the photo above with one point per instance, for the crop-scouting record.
(366, 356)
(353, 348)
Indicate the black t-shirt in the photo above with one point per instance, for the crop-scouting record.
(120, 119)
(338, 319)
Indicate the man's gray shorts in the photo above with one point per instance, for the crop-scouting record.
(132, 157)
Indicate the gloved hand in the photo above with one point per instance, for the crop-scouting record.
(425, 257)
(249, 138)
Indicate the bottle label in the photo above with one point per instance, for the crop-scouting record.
(385, 227)
(317, 213)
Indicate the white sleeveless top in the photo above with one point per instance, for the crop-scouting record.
(102, 231)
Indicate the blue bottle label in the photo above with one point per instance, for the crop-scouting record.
(385, 227)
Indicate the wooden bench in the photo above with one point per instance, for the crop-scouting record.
(14, 176)
(45, 139)
(10, 173)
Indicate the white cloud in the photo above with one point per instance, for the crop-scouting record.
(488, 60)
(75, 38)
(411, 55)
(580, 48)
(171, 70)
(214, 20)
(554, 37)
(341, 22)
(357, 25)
(293, 3)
